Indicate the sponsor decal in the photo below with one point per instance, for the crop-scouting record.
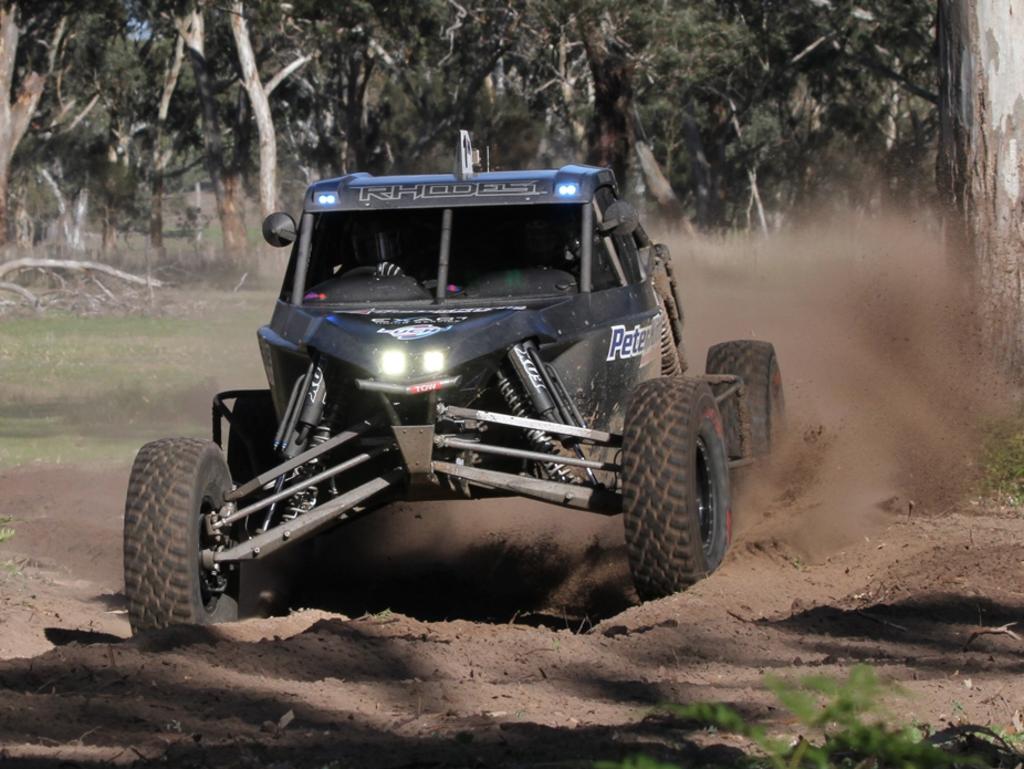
(414, 331)
(447, 320)
(628, 343)
(398, 192)
(424, 387)
(531, 370)
(316, 384)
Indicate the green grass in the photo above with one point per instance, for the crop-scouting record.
(1002, 461)
(93, 389)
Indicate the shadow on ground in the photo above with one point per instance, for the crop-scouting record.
(537, 584)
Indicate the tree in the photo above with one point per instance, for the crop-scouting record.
(981, 162)
(259, 99)
(161, 154)
(611, 136)
(225, 178)
(18, 101)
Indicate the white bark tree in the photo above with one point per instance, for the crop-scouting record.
(981, 163)
(226, 182)
(259, 98)
(16, 107)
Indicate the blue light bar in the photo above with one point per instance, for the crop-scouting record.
(326, 199)
(566, 190)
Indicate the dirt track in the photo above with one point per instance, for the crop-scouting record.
(508, 634)
(394, 690)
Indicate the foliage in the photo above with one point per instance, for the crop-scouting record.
(1002, 461)
(804, 102)
(846, 712)
(6, 532)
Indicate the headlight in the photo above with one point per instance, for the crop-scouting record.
(393, 363)
(433, 362)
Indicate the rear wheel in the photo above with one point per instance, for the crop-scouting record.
(174, 483)
(757, 365)
(675, 485)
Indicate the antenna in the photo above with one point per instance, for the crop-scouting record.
(465, 157)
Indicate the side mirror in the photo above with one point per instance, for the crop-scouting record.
(620, 218)
(279, 229)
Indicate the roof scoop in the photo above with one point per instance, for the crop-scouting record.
(466, 158)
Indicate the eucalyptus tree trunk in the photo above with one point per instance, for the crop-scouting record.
(162, 154)
(981, 159)
(610, 137)
(16, 108)
(259, 100)
(192, 29)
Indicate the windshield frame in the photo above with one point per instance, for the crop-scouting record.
(303, 252)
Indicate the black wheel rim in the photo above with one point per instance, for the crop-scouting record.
(705, 497)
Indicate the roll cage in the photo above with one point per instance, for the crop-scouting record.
(445, 208)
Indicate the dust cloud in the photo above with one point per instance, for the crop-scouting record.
(885, 391)
(886, 385)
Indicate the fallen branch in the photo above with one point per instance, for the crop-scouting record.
(881, 621)
(1001, 630)
(73, 265)
(22, 291)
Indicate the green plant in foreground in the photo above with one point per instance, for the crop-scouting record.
(845, 712)
(6, 532)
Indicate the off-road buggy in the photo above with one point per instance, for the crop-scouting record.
(457, 336)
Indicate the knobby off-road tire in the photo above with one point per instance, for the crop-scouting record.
(758, 366)
(675, 485)
(173, 482)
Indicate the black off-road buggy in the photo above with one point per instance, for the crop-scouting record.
(457, 336)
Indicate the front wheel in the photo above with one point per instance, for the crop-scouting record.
(675, 485)
(174, 483)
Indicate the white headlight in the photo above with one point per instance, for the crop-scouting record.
(433, 361)
(393, 363)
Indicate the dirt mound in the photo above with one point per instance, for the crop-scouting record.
(388, 690)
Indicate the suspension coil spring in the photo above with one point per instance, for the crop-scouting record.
(670, 365)
(320, 434)
(539, 439)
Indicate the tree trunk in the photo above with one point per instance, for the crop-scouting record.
(260, 108)
(14, 115)
(229, 213)
(700, 168)
(109, 238)
(232, 203)
(162, 156)
(259, 99)
(24, 227)
(981, 159)
(610, 137)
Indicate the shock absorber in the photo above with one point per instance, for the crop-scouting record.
(538, 439)
(306, 425)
